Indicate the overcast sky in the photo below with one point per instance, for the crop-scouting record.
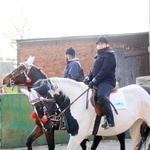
(60, 18)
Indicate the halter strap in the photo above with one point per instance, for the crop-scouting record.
(24, 72)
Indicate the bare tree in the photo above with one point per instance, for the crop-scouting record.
(18, 30)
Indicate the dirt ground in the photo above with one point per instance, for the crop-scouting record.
(104, 145)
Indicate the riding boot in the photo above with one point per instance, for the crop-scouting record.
(104, 103)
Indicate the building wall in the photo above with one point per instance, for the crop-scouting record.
(49, 53)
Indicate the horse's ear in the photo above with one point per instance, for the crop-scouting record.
(26, 92)
(30, 61)
(34, 95)
(31, 95)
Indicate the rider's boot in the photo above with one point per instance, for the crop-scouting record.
(104, 103)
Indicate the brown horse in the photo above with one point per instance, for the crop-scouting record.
(21, 76)
(27, 74)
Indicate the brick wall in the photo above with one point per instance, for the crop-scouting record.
(49, 52)
(49, 55)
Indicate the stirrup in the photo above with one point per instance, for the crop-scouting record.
(62, 126)
(106, 125)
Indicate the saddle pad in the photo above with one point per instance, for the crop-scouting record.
(118, 100)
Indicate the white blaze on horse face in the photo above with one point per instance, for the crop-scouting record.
(30, 61)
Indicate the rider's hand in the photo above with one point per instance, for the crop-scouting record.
(86, 81)
(91, 84)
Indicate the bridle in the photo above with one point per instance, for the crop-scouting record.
(24, 71)
(54, 117)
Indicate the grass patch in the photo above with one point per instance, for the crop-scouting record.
(9, 90)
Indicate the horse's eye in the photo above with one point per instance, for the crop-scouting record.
(20, 69)
(39, 108)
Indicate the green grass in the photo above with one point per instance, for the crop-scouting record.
(11, 91)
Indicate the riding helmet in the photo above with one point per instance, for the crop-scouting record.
(102, 39)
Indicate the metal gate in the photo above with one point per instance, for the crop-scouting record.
(16, 124)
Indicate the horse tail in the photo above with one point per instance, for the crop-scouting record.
(146, 88)
(144, 129)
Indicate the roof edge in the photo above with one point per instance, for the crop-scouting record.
(74, 37)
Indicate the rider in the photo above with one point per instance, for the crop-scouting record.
(72, 71)
(103, 76)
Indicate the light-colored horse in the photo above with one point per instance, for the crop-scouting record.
(137, 110)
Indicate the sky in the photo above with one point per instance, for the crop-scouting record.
(61, 18)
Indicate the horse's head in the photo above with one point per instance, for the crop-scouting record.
(16, 76)
(24, 74)
(46, 111)
(19, 75)
(45, 108)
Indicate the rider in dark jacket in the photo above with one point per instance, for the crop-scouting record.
(103, 76)
(73, 69)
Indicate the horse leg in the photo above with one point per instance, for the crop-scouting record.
(135, 133)
(83, 144)
(37, 132)
(74, 142)
(50, 139)
(121, 139)
(96, 140)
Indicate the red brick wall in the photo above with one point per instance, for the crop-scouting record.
(49, 55)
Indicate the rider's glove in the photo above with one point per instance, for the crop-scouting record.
(91, 84)
(86, 81)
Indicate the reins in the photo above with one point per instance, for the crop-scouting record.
(22, 72)
(42, 99)
(53, 101)
(62, 112)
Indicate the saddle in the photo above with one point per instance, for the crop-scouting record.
(93, 100)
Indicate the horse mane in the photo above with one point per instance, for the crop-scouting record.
(39, 69)
(69, 86)
(66, 82)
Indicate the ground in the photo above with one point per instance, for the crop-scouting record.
(104, 145)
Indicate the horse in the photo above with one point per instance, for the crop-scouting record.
(27, 74)
(131, 117)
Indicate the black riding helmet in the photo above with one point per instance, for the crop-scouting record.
(102, 39)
